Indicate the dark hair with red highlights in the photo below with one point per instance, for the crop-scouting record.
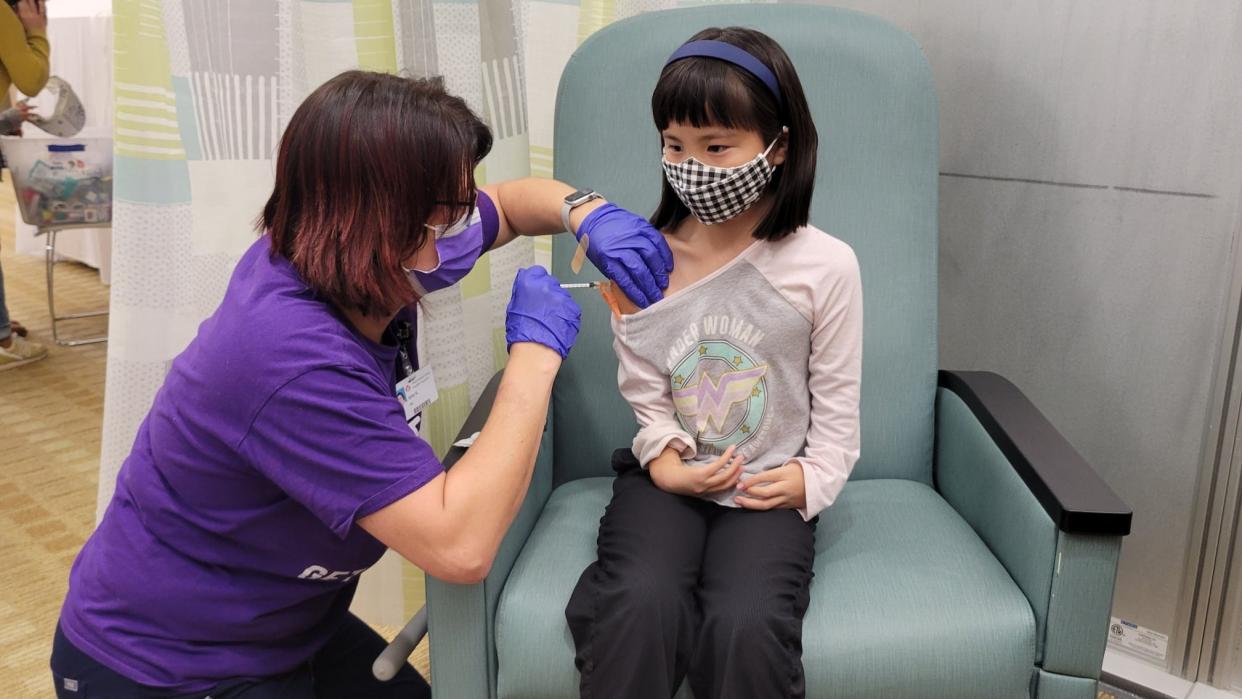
(366, 160)
(703, 91)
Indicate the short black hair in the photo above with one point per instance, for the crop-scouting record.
(706, 91)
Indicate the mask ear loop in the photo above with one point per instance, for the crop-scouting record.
(438, 233)
(784, 132)
(411, 271)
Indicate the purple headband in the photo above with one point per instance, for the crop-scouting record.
(729, 53)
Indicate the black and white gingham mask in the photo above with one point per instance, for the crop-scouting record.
(717, 194)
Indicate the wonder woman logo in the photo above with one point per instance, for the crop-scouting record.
(719, 393)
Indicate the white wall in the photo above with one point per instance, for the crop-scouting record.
(1091, 159)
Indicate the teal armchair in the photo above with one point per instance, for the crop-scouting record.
(973, 552)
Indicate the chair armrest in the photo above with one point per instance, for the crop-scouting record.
(475, 420)
(1072, 493)
(462, 617)
(1008, 473)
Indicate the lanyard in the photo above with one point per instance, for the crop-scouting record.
(403, 347)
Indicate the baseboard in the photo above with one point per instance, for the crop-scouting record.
(1202, 691)
(1133, 675)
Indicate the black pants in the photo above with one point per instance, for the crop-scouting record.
(341, 669)
(684, 586)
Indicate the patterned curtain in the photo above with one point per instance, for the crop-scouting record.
(203, 91)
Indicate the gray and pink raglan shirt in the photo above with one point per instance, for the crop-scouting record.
(764, 353)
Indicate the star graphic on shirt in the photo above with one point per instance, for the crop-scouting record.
(755, 392)
(737, 361)
(745, 429)
(702, 350)
(679, 379)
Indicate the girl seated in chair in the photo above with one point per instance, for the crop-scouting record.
(745, 382)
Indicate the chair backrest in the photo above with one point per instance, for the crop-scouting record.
(874, 104)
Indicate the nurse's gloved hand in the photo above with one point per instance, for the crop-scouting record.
(541, 311)
(629, 251)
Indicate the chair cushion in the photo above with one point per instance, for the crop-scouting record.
(907, 601)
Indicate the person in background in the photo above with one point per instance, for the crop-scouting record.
(24, 53)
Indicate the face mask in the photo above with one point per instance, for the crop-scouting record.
(717, 194)
(458, 246)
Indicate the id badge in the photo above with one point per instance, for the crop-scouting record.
(416, 392)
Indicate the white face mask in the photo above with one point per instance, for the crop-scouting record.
(717, 194)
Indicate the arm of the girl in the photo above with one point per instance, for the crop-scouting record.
(662, 444)
(812, 481)
(647, 391)
(672, 475)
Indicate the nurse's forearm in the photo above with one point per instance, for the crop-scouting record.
(486, 487)
(452, 526)
(532, 206)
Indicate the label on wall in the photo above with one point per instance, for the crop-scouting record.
(1138, 639)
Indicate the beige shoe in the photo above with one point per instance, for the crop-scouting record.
(20, 351)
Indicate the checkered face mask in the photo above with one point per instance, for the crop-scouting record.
(717, 194)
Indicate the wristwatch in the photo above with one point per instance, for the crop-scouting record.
(575, 200)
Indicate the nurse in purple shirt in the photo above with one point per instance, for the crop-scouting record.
(277, 462)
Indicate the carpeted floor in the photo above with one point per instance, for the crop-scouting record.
(50, 417)
(51, 413)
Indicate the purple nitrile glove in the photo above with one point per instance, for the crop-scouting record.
(541, 311)
(629, 251)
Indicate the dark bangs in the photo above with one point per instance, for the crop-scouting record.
(707, 92)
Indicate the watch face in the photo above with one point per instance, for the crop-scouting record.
(579, 196)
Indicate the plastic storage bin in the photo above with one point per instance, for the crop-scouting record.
(61, 181)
